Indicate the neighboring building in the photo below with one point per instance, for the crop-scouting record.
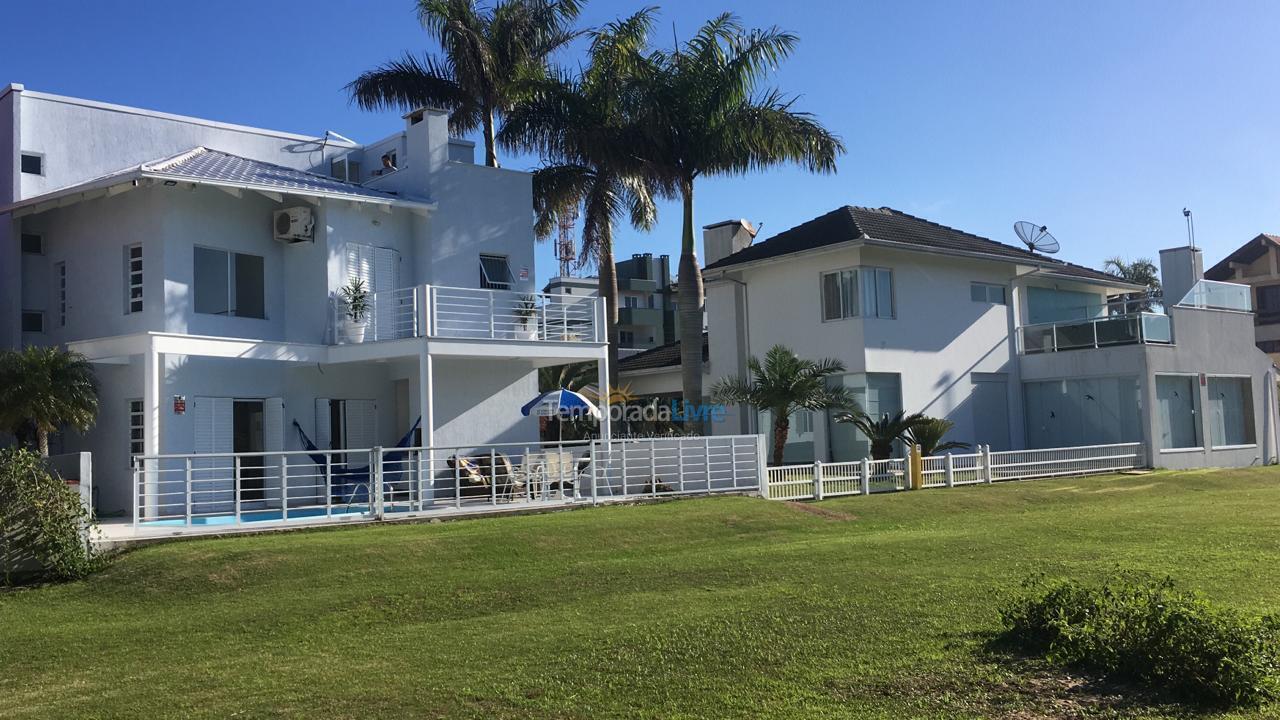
(1257, 264)
(655, 373)
(198, 265)
(1019, 350)
(646, 300)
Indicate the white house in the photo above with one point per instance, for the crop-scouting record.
(1018, 349)
(198, 265)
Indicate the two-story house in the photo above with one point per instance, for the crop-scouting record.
(1018, 349)
(199, 266)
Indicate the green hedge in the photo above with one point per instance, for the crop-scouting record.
(43, 523)
(1138, 628)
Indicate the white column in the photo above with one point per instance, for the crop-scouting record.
(602, 382)
(426, 407)
(152, 386)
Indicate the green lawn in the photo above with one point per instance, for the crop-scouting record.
(713, 607)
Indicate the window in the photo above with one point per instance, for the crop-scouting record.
(136, 419)
(60, 282)
(1178, 404)
(630, 301)
(877, 394)
(1269, 346)
(32, 244)
(626, 338)
(133, 279)
(345, 169)
(32, 164)
(228, 283)
(1230, 412)
(1268, 305)
(861, 292)
(495, 273)
(32, 321)
(987, 293)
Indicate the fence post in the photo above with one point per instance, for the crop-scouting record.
(137, 478)
(594, 467)
(817, 480)
(951, 470)
(375, 477)
(917, 467)
(866, 476)
(761, 467)
(987, 475)
(284, 486)
(188, 492)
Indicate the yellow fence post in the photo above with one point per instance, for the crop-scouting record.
(917, 468)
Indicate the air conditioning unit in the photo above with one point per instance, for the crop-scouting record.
(293, 225)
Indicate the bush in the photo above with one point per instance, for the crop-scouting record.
(1137, 628)
(43, 523)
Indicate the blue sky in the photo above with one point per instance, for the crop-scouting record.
(1100, 119)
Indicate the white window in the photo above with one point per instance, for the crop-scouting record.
(60, 283)
(33, 163)
(32, 244)
(987, 293)
(630, 301)
(495, 272)
(229, 283)
(1178, 405)
(859, 292)
(345, 168)
(32, 321)
(133, 279)
(1230, 412)
(136, 419)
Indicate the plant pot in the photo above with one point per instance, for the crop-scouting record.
(353, 330)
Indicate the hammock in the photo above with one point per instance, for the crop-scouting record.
(351, 485)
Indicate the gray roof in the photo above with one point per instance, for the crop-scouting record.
(658, 357)
(202, 164)
(894, 226)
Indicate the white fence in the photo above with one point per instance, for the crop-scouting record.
(823, 480)
(326, 486)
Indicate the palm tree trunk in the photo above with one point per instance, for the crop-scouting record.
(780, 428)
(609, 291)
(490, 139)
(42, 440)
(691, 300)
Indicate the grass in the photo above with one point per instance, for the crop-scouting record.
(872, 607)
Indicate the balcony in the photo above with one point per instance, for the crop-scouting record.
(1139, 328)
(1214, 295)
(472, 314)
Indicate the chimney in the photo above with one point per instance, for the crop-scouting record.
(722, 239)
(1180, 269)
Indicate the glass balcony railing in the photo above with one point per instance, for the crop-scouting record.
(1214, 295)
(1137, 328)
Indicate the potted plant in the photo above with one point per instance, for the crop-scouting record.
(355, 299)
(526, 308)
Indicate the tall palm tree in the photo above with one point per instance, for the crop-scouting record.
(1140, 271)
(783, 384)
(46, 388)
(578, 125)
(706, 114)
(487, 53)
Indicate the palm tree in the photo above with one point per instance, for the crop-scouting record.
(578, 125)
(573, 376)
(783, 384)
(46, 388)
(1140, 271)
(884, 432)
(487, 54)
(929, 434)
(705, 114)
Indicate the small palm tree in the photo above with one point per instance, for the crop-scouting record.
(488, 53)
(885, 431)
(929, 434)
(46, 388)
(1139, 272)
(783, 384)
(578, 124)
(704, 114)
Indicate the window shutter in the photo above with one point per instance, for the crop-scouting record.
(273, 425)
(324, 436)
(361, 419)
(214, 477)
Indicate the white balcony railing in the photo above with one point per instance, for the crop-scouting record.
(473, 313)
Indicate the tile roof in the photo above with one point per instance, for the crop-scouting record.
(658, 357)
(889, 225)
(203, 164)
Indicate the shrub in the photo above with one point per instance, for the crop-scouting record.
(1137, 628)
(43, 523)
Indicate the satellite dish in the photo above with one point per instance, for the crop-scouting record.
(1036, 237)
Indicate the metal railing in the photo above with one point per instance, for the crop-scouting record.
(823, 480)
(472, 313)
(1130, 329)
(236, 490)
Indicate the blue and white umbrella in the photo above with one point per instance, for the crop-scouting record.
(561, 403)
